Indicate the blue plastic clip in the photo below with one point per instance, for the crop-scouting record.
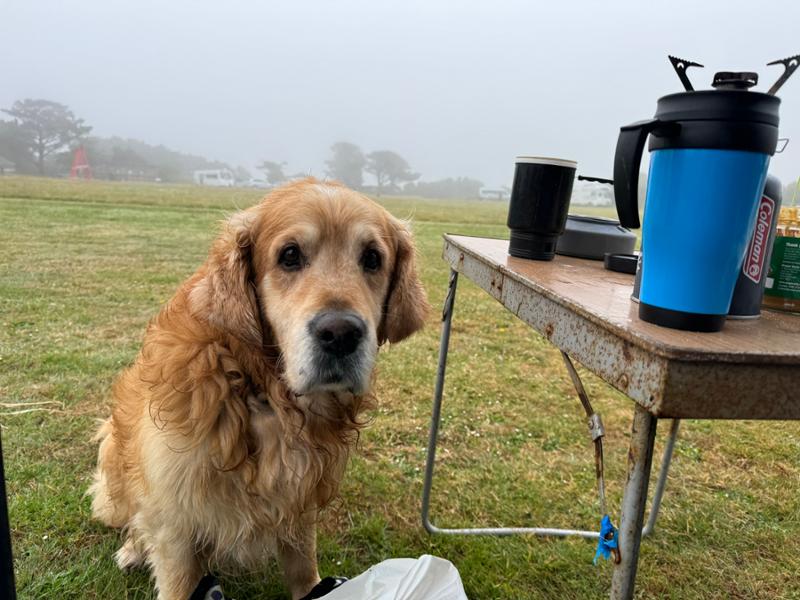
(608, 541)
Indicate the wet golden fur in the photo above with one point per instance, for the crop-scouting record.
(209, 456)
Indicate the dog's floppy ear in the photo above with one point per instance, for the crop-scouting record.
(225, 295)
(406, 304)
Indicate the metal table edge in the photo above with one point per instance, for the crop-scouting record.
(669, 352)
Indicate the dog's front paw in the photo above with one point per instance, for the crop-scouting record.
(128, 557)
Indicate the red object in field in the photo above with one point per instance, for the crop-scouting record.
(80, 165)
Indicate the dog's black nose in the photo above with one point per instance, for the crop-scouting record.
(338, 333)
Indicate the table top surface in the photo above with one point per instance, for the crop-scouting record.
(586, 288)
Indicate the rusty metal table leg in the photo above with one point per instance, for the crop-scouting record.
(447, 315)
(640, 458)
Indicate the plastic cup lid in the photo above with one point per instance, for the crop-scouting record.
(546, 160)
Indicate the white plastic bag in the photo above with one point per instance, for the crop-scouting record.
(423, 578)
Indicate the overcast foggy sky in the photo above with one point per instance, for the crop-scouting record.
(457, 88)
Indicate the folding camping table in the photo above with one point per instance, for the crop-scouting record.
(750, 370)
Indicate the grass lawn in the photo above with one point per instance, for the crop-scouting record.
(84, 266)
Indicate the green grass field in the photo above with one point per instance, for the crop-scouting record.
(84, 266)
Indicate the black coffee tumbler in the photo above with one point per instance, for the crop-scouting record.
(749, 291)
(540, 198)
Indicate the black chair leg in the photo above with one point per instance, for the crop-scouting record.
(6, 561)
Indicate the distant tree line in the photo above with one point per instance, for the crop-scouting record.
(41, 138)
(42, 135)
(348, 165)
(116, 158)
(391, 172)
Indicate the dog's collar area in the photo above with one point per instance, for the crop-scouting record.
(255, 397)
(258, 401)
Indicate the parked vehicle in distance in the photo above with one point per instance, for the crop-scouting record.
(215, 178)
(493, 194)
(257, 183)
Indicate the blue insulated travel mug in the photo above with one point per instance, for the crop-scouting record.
(710, 152)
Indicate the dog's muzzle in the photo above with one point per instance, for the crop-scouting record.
(340, 357)
(337, 333)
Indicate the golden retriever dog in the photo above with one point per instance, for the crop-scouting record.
(232, 428)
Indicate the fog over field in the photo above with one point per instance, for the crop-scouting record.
(456, 88)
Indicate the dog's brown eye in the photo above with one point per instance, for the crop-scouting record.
(371, 260)
(291, 259)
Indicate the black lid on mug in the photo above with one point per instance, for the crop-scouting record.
(728, 119)
(719, 105)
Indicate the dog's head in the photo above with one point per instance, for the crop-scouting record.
(324, 273)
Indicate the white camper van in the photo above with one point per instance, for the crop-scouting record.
(214, 178)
